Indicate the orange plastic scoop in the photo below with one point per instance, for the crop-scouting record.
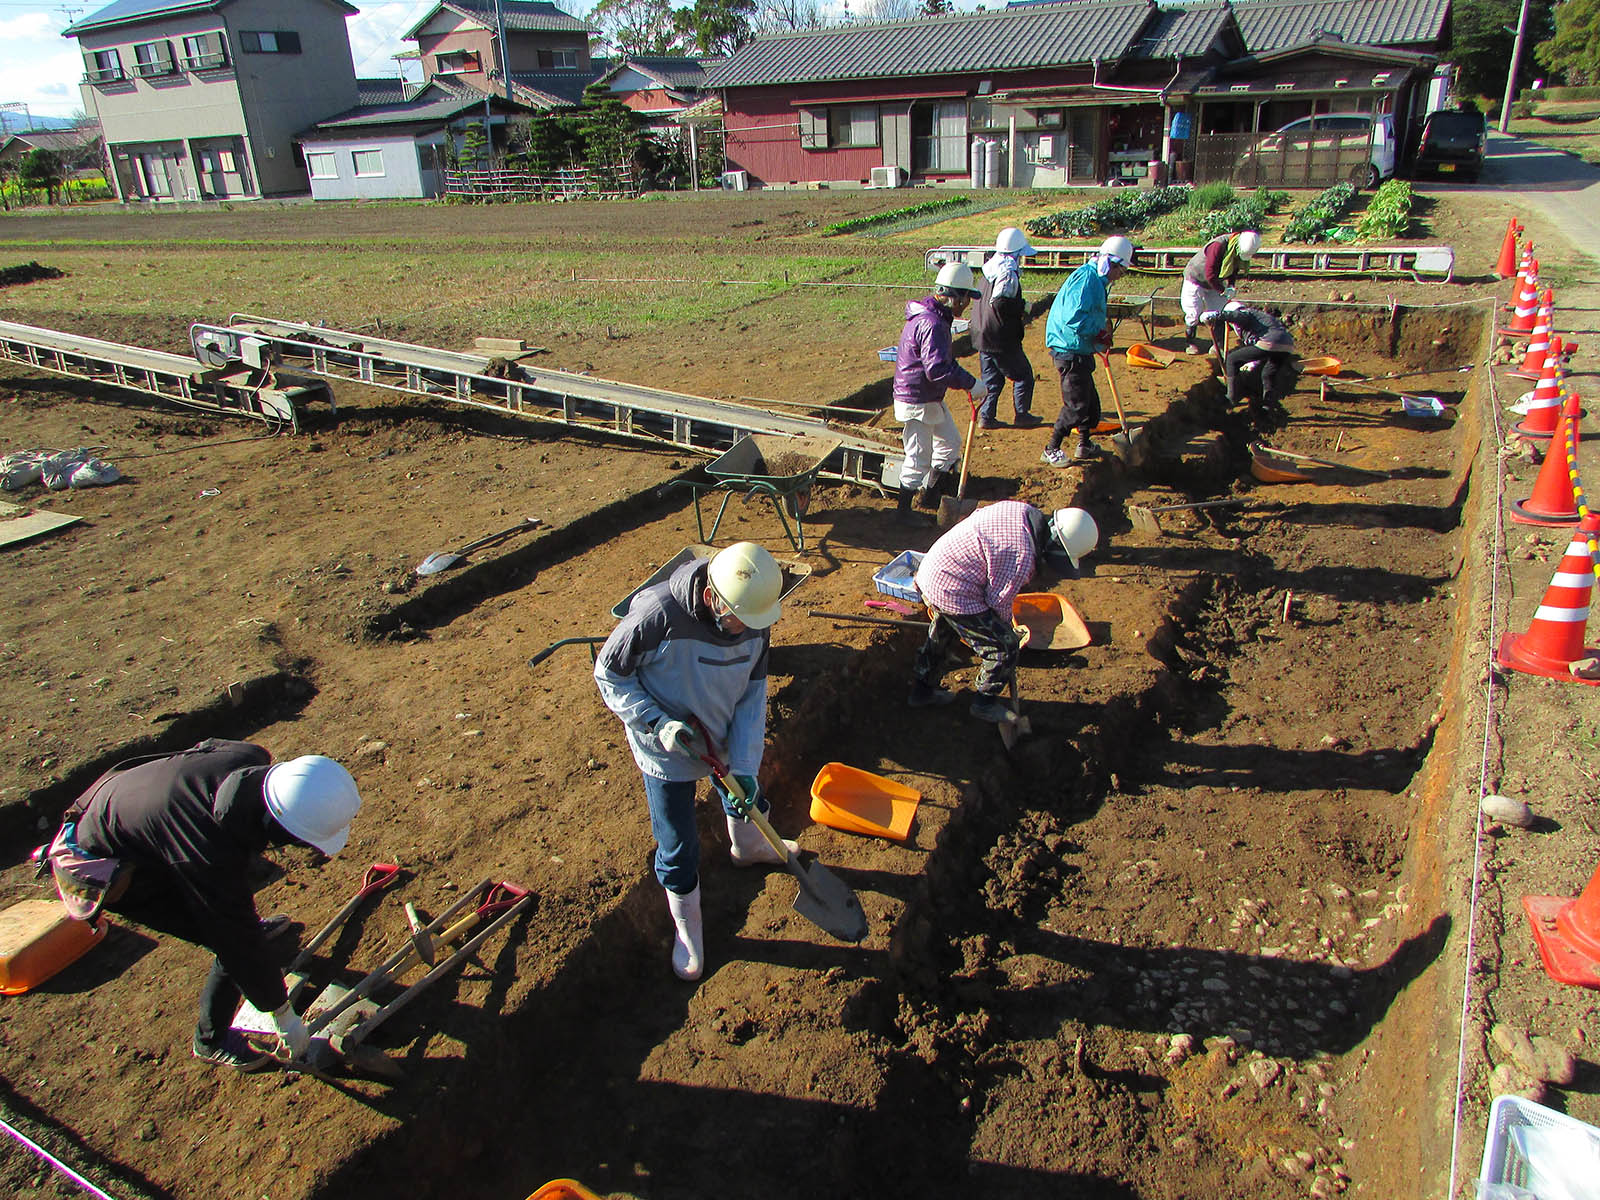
(857, 801)
(1143, 354)
(1326, 365)
(1051, 621)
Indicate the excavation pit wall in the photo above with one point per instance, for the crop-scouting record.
(1068, 907)
(1060, 914)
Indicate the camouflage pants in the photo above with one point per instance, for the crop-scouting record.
(989, 636)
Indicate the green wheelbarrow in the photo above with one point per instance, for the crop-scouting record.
(782, 468)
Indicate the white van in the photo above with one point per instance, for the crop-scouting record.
(1300, 147)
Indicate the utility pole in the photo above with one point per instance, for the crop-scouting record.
(1516, 64)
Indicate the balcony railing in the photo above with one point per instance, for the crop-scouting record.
(105, 75)
(206, 62)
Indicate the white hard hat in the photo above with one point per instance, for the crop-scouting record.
(1118, 250)
(1013, 241)
(314, 799)
(955, 277)
(1075, 532)
(1234, 306)
(1248, 241)
(749, 581)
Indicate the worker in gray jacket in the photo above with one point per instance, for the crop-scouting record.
(184, 828)
(686, 671)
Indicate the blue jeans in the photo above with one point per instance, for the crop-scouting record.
(677, 839)
(998, 366)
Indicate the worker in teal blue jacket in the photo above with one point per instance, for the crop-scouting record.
(1075, 331)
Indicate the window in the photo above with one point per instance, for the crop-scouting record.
(103, 66)
(322, 164)
(153, 58)
(457, 62)
(564, 60)
(856, 125)
(369, 163)
(205, 51)
(939, 135)
(269, 42)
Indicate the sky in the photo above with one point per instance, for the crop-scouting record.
(40, 69)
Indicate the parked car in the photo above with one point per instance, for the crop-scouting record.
(1452, 143)
(1323, 148)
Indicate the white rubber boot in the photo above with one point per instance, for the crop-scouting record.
(751, 849)
(688, 955)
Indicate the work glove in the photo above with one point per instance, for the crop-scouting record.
(1103, 338)
(748, 785)
(1227, 292)
(292, 1031)
(1024, 635)
(679, 737)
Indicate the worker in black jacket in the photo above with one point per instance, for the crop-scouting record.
(998, 318)
(188, 825)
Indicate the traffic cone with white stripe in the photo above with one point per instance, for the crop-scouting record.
(1554, 640)
(1527, 307)
(1524, 265)
(1507, 265)
(1539, 340)
(1544, 407)
(1554, 503)
(1567, 932)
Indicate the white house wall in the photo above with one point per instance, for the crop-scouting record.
(190, 104)
(286, 93)
(403, 177)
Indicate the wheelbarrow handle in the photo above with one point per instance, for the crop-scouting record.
(572, 641)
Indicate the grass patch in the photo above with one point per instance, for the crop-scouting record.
(1581, 139)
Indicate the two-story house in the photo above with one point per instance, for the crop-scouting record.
(546, 51)
(202, 99)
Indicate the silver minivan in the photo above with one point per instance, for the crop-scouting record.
(1359, 147)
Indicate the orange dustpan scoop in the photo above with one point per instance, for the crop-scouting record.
(563, 1189)
(1051, 621)
(1143, 354)
(1325, 365)
(858, 801)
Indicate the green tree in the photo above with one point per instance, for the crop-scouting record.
(638, 27)
(1484, 32)
(474, 145)
(715, 26)
(610, 132)
(1574, 51)
(934, 8)
(42, 171)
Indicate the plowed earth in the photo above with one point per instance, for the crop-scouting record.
(1186, 940)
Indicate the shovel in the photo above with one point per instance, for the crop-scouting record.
(1261, 450)
(1122, 442)
(1015, 726)
(1148, 520)
(953, 510)
(823, 899)
(442, 559)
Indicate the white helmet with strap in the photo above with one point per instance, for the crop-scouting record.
(747, 579)
(314, 799)
(1075, 532)
(1013, 241)
(1118, 249)
(954, 278)
(1249, 240)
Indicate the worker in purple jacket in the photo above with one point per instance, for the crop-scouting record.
(925, 368)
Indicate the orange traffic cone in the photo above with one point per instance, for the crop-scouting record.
(1555, 638)
(1544, 409)
(1539, 340)
(1554, 502)
(1524, 266)
(1527, 307)
(1568, 934)
(1507, 266)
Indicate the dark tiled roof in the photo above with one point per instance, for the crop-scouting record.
(674, 72)
(1042, 35)
(1275, 24)
(389, 90)
(550, 89)
(62, 141)
(1182, 31)
(431, 106)
(521, 16)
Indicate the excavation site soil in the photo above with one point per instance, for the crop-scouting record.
(1187, 939)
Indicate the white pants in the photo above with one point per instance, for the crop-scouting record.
(1197, 300)
(931, 441)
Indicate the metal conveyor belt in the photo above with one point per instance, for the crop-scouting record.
(1421, 263)
(580, 401)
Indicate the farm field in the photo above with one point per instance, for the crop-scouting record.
(1201, 934)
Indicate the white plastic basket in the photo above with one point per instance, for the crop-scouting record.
(1529, 1148)
(898, 577)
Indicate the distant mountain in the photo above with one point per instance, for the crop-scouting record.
(15, 122)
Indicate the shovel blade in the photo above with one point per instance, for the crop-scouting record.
(827, 902)
(953, 511)
(435, 563)
(1144, 520)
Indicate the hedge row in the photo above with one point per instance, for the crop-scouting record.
(1122, 212)
(1318, 220)
(1388, 213)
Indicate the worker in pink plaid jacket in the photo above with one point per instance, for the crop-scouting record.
(969, 580)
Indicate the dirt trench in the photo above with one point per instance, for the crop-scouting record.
(1188, 935)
